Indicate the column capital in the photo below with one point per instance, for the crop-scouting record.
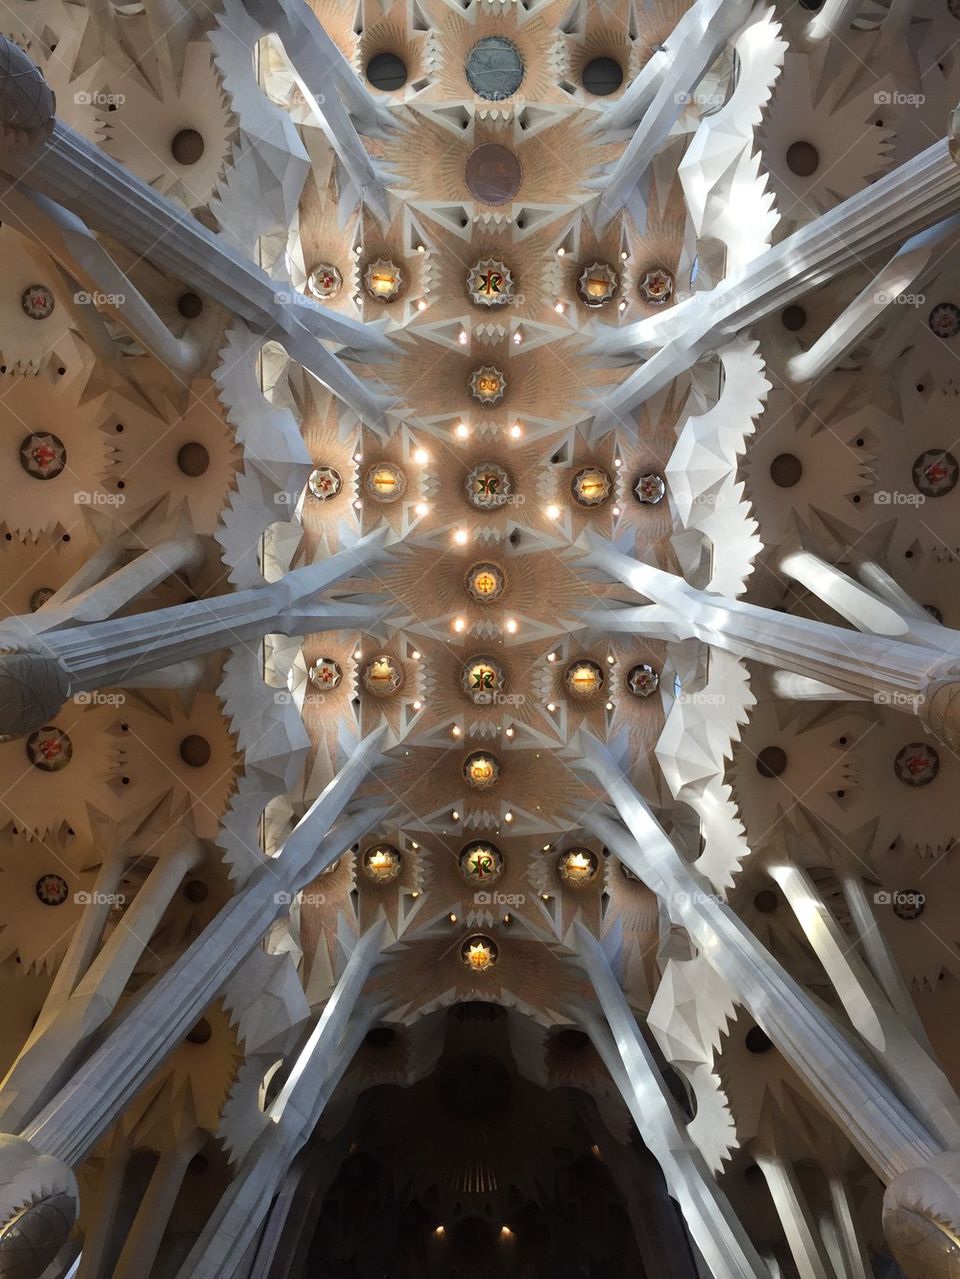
(38, 1206)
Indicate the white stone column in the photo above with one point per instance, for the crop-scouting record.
(71, 1124)
(713, 1225)
(74, 173)
(911, 675)
(66, 1023)
(889, 1137)
(660, 96)
(145, 1236)
(236, 1221)
(41, 667)
(916, 195)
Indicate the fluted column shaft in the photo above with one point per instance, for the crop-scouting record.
(874, 1118)
(85, 1107)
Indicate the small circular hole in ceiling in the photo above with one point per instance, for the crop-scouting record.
(602, 76)
(387, 71)
(187, 146)
(786, 470)
(803, 159)
(494, 68)
(493, 173)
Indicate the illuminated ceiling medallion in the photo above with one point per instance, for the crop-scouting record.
(935, 473)
(385, 482)
(583, 678)
(917, 764)
(37, 302)
(485, 583)
(52, 890)
(598, 284)
(944, 320)
(642, 680)
(49, 749)
(490, 283)
(487, 384)
(43, 455)
(324, 281)
(578, 866)
(382, 863)
(591, 486)
(483, 680)
(383, 280)
(650, 489)
(481, 863)
(656, 287)
(325, 483)
(479, 953)
(382, 675)
(481, 770)
(488, 486)
(326, 674)
(908, 903)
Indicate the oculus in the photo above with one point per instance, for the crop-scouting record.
(325, 483)
(382, 675)
(43, 455)
(37, 302)
(492, 173)
(488, 486)
(324, 281)
(642, 680)
(487, 384)
(907, 903)
(383, 280)
(382, 863)
(385, 482)
(494, 68)
(49, 749)
(481, 863)
(649, 489)
(485, 583)
(481, 770)
(917, 764)
(591, 486)
(482, 680)
(490, 283)
(935, 473)
(479, 953)
(387, 71)
(656, 287)
(326, 674)
(944, 320)
(52, 890)
(597, 285)
(40, 597)
(583, 678)
(578, 866)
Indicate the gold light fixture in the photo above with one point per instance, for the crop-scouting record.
(383, 280)
(481, 770)
(481, 862)
(485, 582)
(597, 284)
(578, 866)
(591, 486)
(385, 482)
(487, 384)
(583, 678)
(479, 953)
(382, 863)
(382, 675)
